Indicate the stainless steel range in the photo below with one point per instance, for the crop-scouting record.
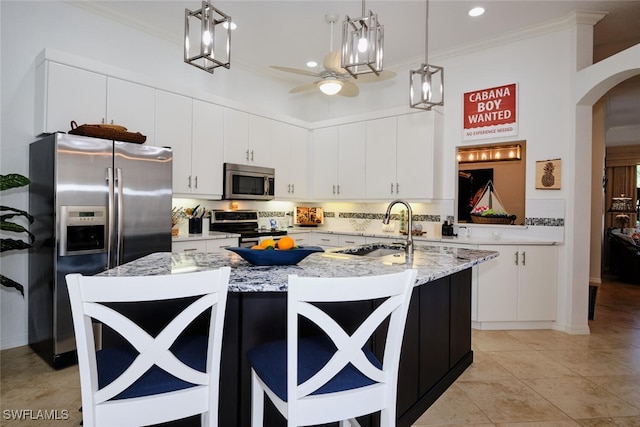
(243, 222)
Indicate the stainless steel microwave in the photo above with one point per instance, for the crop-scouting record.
(245, 182)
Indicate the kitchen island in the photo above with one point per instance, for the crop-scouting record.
(437, 341)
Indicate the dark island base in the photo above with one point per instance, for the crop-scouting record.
(436, 347)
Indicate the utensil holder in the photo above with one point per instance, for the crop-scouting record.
(195, 225)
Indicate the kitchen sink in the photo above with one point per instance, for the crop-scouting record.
(374, 250)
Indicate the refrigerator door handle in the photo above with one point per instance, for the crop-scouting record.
(112, 219)
(120, 207)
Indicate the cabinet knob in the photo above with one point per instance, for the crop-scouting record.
(392, 188)
(338, 188)
(516, 260)
(189, 181)
(397, 188)
(289, 188)
(524, 260)
(247, 155)
(334, 189)
(196, 182)
(293, 188)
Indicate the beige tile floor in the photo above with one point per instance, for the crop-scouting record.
(518, 378)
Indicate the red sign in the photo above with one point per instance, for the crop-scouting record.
(490, 112)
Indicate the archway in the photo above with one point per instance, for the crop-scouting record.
(590, 85)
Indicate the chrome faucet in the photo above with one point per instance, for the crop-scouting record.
(409, 245)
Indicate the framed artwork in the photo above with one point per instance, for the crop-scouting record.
(548, 174)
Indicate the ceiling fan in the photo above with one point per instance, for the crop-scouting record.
(334, 80)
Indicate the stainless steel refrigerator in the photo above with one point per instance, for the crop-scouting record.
(97, 204)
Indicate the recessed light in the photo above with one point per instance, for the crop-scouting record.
(476, 11)
(312, 64)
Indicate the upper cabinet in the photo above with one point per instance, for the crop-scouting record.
(173, 129)
(289, 158)
(338, 157)
(382, 182)
(185, 124)
(73, 94)
(207, 150)
(246, 138)
(132, 106)
(66, 94)
(415, 162)
(400, 156)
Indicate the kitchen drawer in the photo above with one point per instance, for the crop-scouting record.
(218, 245)
(301, 239)
(351, 240)
(327, 240)
(190, 246)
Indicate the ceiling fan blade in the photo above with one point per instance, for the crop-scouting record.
(371, 77)
(332, 62)
(349, 89)
(296, 71)
(303, 87)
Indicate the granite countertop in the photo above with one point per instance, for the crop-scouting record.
(431, 262)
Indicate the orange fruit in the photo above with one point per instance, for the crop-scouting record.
(285, 243)
(267, 242)
(257, 247)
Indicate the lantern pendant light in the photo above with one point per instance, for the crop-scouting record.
(362, 44)
(210, 38)
(426, 84)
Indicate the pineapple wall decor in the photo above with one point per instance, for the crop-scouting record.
(548, 173)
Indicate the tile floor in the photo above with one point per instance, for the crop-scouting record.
(518, 378)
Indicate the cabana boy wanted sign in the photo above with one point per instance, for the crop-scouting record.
(490, 113)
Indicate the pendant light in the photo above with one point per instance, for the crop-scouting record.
(362, 44)
(213, 49)
(426, 84)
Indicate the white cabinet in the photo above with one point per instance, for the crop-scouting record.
(67, 93)
(220, 245)
(189, 246)
(290, 159)
(302, 238)
(415, 162)
(324, 158)
(339, 162)
(327, 240)
(519, 285)
(173, 129)
(133, 106)
(351, 240)
(204, 245)
(381, 159)
(186, 125)
(400, 156)
(246, 138)
(207, 149)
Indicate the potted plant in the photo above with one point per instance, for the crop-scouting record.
(6, 225)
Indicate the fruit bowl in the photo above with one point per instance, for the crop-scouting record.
(275, 256)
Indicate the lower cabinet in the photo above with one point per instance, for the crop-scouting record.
(205, 245)
(436, 347)
(519, 285)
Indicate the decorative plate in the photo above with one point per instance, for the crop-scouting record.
(275, 256)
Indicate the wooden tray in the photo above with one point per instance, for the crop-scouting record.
(113, 132)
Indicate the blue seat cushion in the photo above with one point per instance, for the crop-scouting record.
(270, 363)
(113, 361)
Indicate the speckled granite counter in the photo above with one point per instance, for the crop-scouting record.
(431, 262)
